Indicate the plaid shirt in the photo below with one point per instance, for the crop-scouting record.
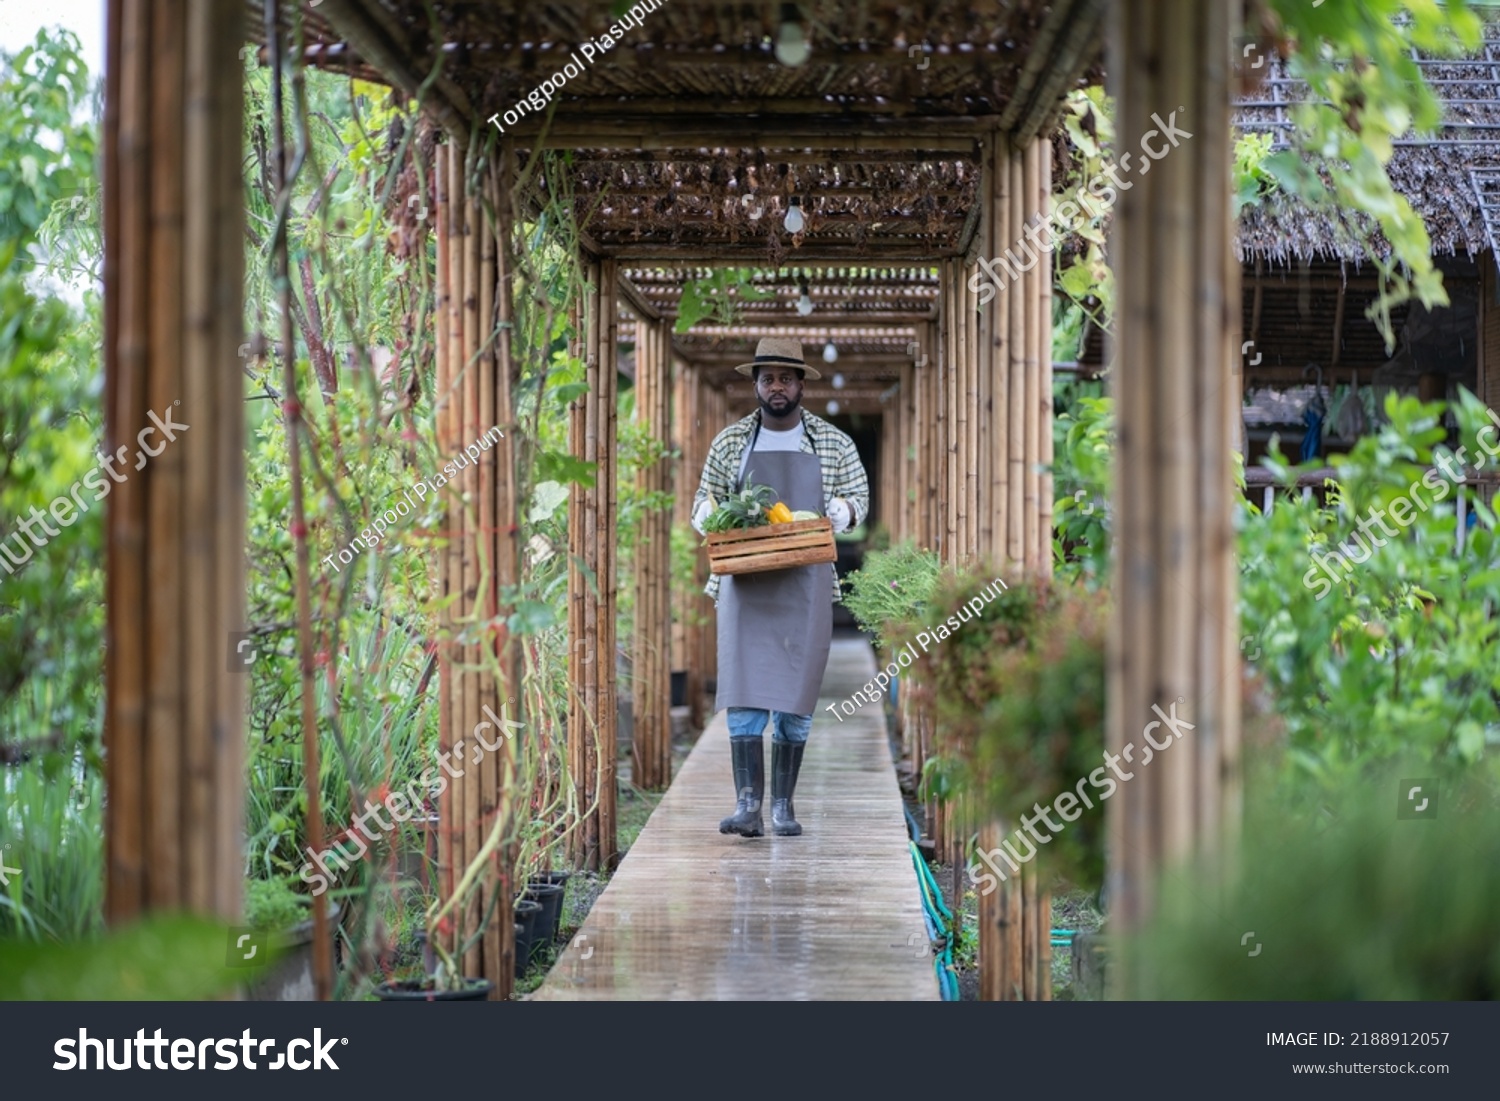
(843, 474)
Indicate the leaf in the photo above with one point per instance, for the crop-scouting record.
(561, 467)
(546, 499)
(531, 617)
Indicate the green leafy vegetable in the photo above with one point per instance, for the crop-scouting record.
(746, 509)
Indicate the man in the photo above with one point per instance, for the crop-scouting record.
(775, 627)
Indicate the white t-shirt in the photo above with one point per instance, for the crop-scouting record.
(787, 440)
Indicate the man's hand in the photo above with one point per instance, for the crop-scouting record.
(840, 513)
(705, 509)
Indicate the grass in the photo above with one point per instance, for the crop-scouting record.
(51, 829)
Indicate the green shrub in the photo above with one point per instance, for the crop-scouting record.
(888, 593)
(273, 904)
(1018, 693)
(1363, 905)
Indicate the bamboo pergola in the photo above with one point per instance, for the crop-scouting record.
(689, 142)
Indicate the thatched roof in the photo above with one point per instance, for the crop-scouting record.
(1434, 172)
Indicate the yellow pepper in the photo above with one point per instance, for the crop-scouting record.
(779, 514)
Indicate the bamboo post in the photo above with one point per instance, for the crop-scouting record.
(593, 512)
(174, 270)
(1015, 336)
(479, 667)
(1172, 638)
(510, 800)
(652, 743)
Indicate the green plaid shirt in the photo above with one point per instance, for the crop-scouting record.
(843, 473)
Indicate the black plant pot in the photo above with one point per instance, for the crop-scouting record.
(528, 921)
(474, 990)
(679, 688)
(550, 896)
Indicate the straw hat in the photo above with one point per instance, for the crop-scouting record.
(777, 351)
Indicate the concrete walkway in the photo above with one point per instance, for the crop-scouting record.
(834, 914)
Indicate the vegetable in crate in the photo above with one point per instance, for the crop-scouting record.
(745, 509)
(803, 514)
(779, 513)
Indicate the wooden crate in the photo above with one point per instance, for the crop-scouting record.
(772, 547)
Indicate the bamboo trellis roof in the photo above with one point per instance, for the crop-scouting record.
(690, 138)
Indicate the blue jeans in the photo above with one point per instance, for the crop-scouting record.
(750, 722)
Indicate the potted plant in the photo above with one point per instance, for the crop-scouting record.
(529, 932)
(275, 908)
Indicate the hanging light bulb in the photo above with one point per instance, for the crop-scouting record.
(830, 353)
(794, 221)
(792, 48)
(805, 303)
(838, 379)
(833, 408)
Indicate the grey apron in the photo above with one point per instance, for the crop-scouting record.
(775, 628)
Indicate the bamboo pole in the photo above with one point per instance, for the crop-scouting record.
(952, 376)
(164, 610)
(127, 731)
(512, 801)
(592, 718)
(652, 742)
(1043, 397)
(974, 405)
(448, 324)
(1172, 637)
(1038, 288)
(205, 679)
(1015, 542)
(470, 377)
(489, 502)
(608, 522)
(173, 223)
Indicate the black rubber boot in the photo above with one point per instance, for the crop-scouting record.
(786, 762)
(749, 759)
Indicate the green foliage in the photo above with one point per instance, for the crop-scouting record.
(717, 297)
(272, 904)
(890, 590)
(1083, 275)
(48, 157)
(1399, 657)
(691, 609)
(1018, 691)
(1083, 451)
(51, 606)
(745, 509)
(1358, 905)
(1253, 181)
(169, 958)
(1365, 91)
(51, 809)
